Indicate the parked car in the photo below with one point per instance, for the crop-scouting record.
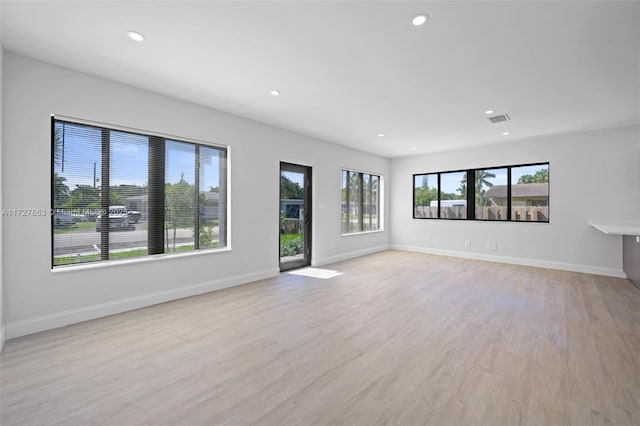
(134, 216)
(79, 217)
(63, 219)
(118, 219)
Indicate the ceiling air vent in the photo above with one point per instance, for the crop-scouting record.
(499, 118)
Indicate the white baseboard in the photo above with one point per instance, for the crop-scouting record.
(2, 338)
(587, 269)
(61, 319)
(350, 255)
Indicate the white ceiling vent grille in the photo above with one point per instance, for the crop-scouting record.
(499, 118)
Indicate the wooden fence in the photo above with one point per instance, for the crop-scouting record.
(291, 226)
(521, 214)
(531, 214)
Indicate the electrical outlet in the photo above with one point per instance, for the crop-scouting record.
(467, 243)
(245, 260)
(494, 247)
(487, 246)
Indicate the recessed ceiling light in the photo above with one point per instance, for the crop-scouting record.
(381, 135)
(136, 36)
(420, 19)
(506, 133)
(489, 111)
(413, 148)
(274, 92)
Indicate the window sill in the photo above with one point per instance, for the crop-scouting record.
(419, 219)
(362, 233)
(143, 259)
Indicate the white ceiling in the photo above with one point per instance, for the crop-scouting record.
(348, 71)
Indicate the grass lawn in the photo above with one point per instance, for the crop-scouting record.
(66, 260)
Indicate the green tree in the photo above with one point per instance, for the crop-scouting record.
(115, 199)
(206, 236)
(450, 196)
(60, 190)
(206, 225)
(425, 195)
(120, 193)
(482, 184)
(179, 202)
(290, 190)
(541, 176)
(354, 192)
(84, 197)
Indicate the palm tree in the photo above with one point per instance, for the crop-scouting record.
(481, 180)
(60, 189)
(355, 192)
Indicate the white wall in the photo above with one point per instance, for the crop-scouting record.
(2, 327)
(40, 299)
(592, 175)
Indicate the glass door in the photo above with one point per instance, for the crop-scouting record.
(295, 216)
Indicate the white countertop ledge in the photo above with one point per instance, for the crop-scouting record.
(617, 227)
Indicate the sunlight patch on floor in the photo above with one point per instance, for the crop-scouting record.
(316, 273)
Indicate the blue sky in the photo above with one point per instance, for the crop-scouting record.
(294, 177)
(129, 162)
(129, 159)
(451, 181)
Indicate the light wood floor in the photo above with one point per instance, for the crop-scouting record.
(400, 338)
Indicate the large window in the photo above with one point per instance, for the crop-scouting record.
(453, 195)
(530, 193)
(490, 205)
(120, 194)
(425, 196)
(508, 193)
(360, 202)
